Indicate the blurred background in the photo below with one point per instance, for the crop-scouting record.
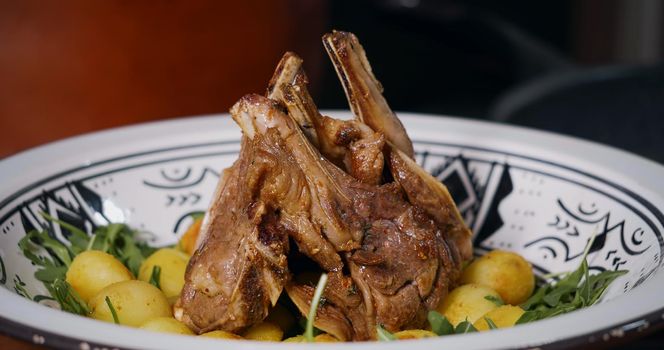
(589, 68)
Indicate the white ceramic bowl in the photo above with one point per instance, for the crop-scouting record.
(540, 194)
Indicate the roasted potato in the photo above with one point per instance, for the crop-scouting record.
(467, 302)
(296, 339)
(280, 316)
(221, 335)
(135, 302)
(325, 338)
(264, 331)
(507, 273)
(166, 325)
(415, 334)
(93, 270)
(173, 263)
(187, 242)
(503, 317)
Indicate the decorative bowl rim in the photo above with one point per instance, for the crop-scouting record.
(635, 312)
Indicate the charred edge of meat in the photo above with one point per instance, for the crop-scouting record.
(285, 73)
(363, 90)
(426, 192)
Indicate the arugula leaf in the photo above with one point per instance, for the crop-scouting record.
(113, 313)
(77, 238)
(566, 285)
(529, 316)
(58, 250)
(119, 240)
(489, 322)
(575, 290)
(536, 298)
(313, 308)
(51, 273)
(116, 239)
(439, 323)
(384, 334)
(465, 327)
(495, 300)
(68, 298)
(155, 275)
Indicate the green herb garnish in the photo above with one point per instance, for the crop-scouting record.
(113, 313)
(154, 277)
(439, 323)
(318, 293)
(116, 239)
(465, 327)
(442, 326)
(495, 300)
(575, 290)
(384, 334)
(68, 298)
(490, 323)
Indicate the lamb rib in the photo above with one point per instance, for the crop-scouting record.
(363, 90)
(350, 144)
(392, 250)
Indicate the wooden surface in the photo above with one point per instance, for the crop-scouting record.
(69, 67)
(11, 343)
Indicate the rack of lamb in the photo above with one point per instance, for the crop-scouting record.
(345, 194)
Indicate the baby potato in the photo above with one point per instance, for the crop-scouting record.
(166, 325)
(187, 242)
(296, 339)
(93, 270)
(467, 302)
(281, 317)
(135, 302)
(173, 263)
(221, 335)
(415, 334)
(503, 317)
(264, 331)
(321, 338)
(507, 273)
(325, 338)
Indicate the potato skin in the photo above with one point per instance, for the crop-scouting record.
(187, 243)
(135, 303)
(93, 270)
(325, 338)
(415, 334)
(173, 264)
(264, 331)
(166, 325)
(467, 302)
(321, 338)
(507, 273)
(280, 316)
(503, 317)
(296, 339)
(221, 335)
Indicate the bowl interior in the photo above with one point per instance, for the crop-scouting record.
(542, 202)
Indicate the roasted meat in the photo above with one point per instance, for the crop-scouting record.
(363, 90)
(350, 144)
(392, 245)
(240, 266)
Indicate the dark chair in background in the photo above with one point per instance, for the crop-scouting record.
(618, 106)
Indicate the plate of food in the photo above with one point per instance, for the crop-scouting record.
(280, 225)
